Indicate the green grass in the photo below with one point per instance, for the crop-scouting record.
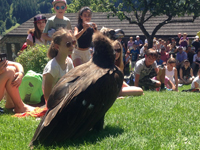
(156, 120)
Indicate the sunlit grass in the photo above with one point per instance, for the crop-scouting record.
(156, 120)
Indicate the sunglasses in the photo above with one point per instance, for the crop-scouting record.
(69, 44)
(117, 50)
(153, 55)
(60, 7)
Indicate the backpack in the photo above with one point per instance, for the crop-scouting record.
(30, 89)
(24, 46)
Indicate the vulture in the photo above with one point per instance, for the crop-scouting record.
(80, 99)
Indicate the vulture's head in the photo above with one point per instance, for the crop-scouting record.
(112, 34)
(104, 55)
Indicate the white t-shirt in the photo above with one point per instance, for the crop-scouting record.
(37, 41)
(196, 79)
(55, 70)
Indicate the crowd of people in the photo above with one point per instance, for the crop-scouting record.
(177, 57)
(166, 65)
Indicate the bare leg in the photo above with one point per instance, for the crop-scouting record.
(130, 90)
(13, 96)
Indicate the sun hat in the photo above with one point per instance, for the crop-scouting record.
(58, 1)
(39, 17)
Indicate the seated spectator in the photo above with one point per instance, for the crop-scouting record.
(167, 46)
(61, 46)
(11, 74)
(134, 53)
(190, 53)
(171, 71)
(155, 44)
(196, 43)
(178, 39)
(159, 61)
(143, 50)
(164, 55)
(138, 42)
(180, 57)
(130, 44)
(126, 89)
(196, 82)
(184, 41)
(145, 69)
(35, 34)
(127, 63)
(159, 44)
(196, 62)
(186, 73)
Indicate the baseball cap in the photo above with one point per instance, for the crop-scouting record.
(39, 17)
(186, 60)
(196, 37)
(137, 36)
(58, 1)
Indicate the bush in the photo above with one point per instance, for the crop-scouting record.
(33, 58)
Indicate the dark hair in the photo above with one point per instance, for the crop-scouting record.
(80, 21)
(57, 38)
(37, 33)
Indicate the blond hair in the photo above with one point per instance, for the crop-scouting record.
(56, 39)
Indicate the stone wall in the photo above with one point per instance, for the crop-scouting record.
(11, 45)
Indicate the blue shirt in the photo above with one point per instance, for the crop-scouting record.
(181, 57)
(138, 42)
(134, 54)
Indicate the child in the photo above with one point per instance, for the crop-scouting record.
(61, 46)
(146, 69)
(126, 89)
(134, 55)
(171, 71)
(35, 34)
(186, 73)
(196, 82)
(57, 21)
(83, 32)
(11, 74)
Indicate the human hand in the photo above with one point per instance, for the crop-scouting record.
(86, 25)
(17, 79)
(94, 26)
(3, 65)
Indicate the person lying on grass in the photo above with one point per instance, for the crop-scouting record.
(11, 74)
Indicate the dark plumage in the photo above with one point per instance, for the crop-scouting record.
(80, 99)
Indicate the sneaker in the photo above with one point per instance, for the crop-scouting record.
(1, 110)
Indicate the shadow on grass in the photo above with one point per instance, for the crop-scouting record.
(90, 138)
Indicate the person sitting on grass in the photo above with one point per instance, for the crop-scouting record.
(146, 69)
(11, 74)
(186, 73)
(196, 82)
(171, 71)
(126, 89)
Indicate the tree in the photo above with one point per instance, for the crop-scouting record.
(139, 12)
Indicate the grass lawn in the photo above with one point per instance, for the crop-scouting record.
(156, 120)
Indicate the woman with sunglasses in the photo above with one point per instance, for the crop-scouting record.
(61, 46)
(126, 89)
(35, 34)
(57, 21)
(83, 32)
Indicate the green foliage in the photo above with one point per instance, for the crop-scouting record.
(139, 12)
(34, 58)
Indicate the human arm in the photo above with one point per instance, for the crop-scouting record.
(29, 40)
(196, 85)
(176, 78)
(19, 73)
(3, 65)
(78, 33)
(191, 73)
(137, 76)
(47, 85)
(46, 37)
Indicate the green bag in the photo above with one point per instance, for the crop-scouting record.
(31, 88)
